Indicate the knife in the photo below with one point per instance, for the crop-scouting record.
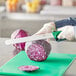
(34, 37)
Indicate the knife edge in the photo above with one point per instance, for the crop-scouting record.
(29, 38)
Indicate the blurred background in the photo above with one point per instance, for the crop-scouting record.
(30, 15)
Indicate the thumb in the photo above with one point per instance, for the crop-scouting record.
(61, 35)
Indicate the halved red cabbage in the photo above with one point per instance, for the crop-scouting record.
(38, 50)
(19, 34)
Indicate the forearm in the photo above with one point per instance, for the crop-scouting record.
(65, 22)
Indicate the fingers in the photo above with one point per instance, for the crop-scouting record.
(61, 35)
(61, 29)
(67, 32)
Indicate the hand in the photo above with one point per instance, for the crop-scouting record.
(47, 28)
(67, 32)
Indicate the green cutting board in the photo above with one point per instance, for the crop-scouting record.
(54, 65)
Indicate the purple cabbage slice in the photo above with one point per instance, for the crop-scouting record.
(28, 68)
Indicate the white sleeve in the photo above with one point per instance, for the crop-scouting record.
(75, 32)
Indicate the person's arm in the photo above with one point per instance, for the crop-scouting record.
(67, 26)
(65, 22)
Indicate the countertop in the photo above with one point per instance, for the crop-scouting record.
(8, 52)
(47, 13)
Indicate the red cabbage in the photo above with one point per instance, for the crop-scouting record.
(19, 34)
(38, 50)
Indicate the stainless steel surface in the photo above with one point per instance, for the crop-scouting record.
(7, 52)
